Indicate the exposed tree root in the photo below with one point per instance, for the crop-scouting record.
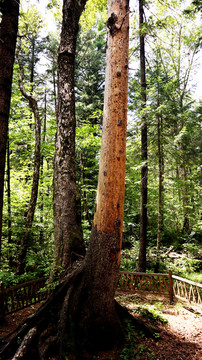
(44, 320)
(124, 314)
(26, 344)
(63, 325)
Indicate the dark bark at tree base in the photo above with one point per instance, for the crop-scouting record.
(62, 325)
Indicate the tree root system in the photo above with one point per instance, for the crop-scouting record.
(63, 325)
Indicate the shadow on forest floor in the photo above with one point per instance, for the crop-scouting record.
(179, 339)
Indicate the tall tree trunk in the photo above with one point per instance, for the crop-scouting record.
(85, 209)
(160, 171)
(8, 34)
(9, 203)
(102, 261)
(67, 214)
(32, 64)
(42, 174)
(144, 169)
(185, 199)
(160, 200)
(35, 180)
(54, 87)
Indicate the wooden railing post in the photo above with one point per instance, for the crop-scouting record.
(2, 307)
(170, 285)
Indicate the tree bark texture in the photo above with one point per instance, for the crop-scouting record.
(80, 318)
(103, 256)
(144, 169)
(35, 179)
(67, 216)
(8, 34)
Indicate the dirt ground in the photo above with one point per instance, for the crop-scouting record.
(180, 339)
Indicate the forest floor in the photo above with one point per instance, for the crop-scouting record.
(179, 339)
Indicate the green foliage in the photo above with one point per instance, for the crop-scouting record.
(181, 255)
(89, 88)
(89, 76)
(133, 348)
(130, 350)
(129, 258)
(9, 278)
(88, 141)
(56, 8)
(21, 137)
(152, 313)
(170, 61)
(93, 10)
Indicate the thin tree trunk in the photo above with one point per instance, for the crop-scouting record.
(32, 64)
(84, 195)
(160, 200)
(8, 35)
(9, 203)
(42, 174)
(67, 213)
(161, 172)
(144, 170)
(54, 88)
(35, 180)
(185, 198)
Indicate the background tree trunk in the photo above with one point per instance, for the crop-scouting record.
(10, 257)
(144, 170)
(160, 199)
(8, 35)
(67, 217)
(35, 180)
(42, 171)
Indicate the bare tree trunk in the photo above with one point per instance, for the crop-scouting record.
(185, 199)
(42, 172)
(35, 180)
(160, 201)
(8, 35)
(67, 217)
(9, 203)
(144, 170)
(83, 195)
(54, 88)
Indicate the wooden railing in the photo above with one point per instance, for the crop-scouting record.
(172, 285)
(22, 295)
(187, 290)
(155, 283)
